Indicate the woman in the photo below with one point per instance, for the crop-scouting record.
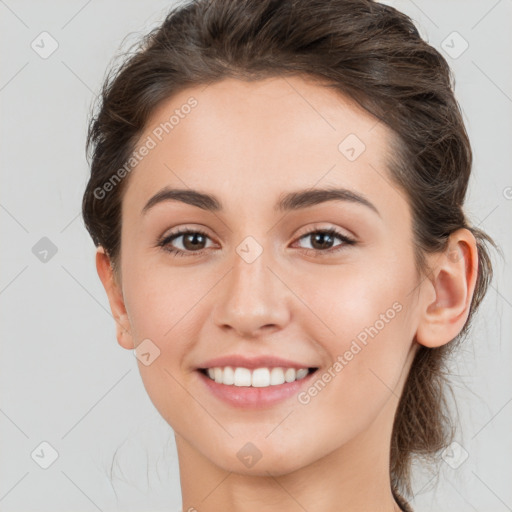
(276, 195)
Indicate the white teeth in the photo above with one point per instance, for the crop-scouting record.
(301, 373)
(258, 378)
(276, 376)
(289, 374)
(242, 376)
(228, 376)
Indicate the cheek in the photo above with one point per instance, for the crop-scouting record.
(163, 306)
(366, 329)
(159, 298)
(351, 298)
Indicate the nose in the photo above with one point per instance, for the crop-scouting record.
(254, 299)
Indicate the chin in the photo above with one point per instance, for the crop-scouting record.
(260, 458)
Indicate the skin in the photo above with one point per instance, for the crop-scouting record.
(248, 143)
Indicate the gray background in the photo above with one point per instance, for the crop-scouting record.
(64, 378)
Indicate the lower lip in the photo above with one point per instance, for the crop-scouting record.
(254, 398)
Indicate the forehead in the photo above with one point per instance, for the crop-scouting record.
(262, 137)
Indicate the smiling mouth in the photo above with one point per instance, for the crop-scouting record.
(256, 378)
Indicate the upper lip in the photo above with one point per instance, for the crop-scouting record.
(262, 361)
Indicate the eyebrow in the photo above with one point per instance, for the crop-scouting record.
(289, 201)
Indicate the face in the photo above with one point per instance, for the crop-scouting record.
(324, 282)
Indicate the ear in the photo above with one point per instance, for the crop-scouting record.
(115, 298)
(449, 290)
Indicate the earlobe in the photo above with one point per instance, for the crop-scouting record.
(452, 283)
(115, 298)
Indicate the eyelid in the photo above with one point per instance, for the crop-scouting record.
(185, 228)
(330, 227)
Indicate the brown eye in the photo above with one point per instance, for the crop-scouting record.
(192, 241)
(322, 241)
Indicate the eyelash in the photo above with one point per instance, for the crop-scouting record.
(164, 243)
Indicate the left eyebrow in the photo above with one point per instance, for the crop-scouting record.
(310, 197)
(290, 201)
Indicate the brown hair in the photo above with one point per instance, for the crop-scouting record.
(370, 52)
